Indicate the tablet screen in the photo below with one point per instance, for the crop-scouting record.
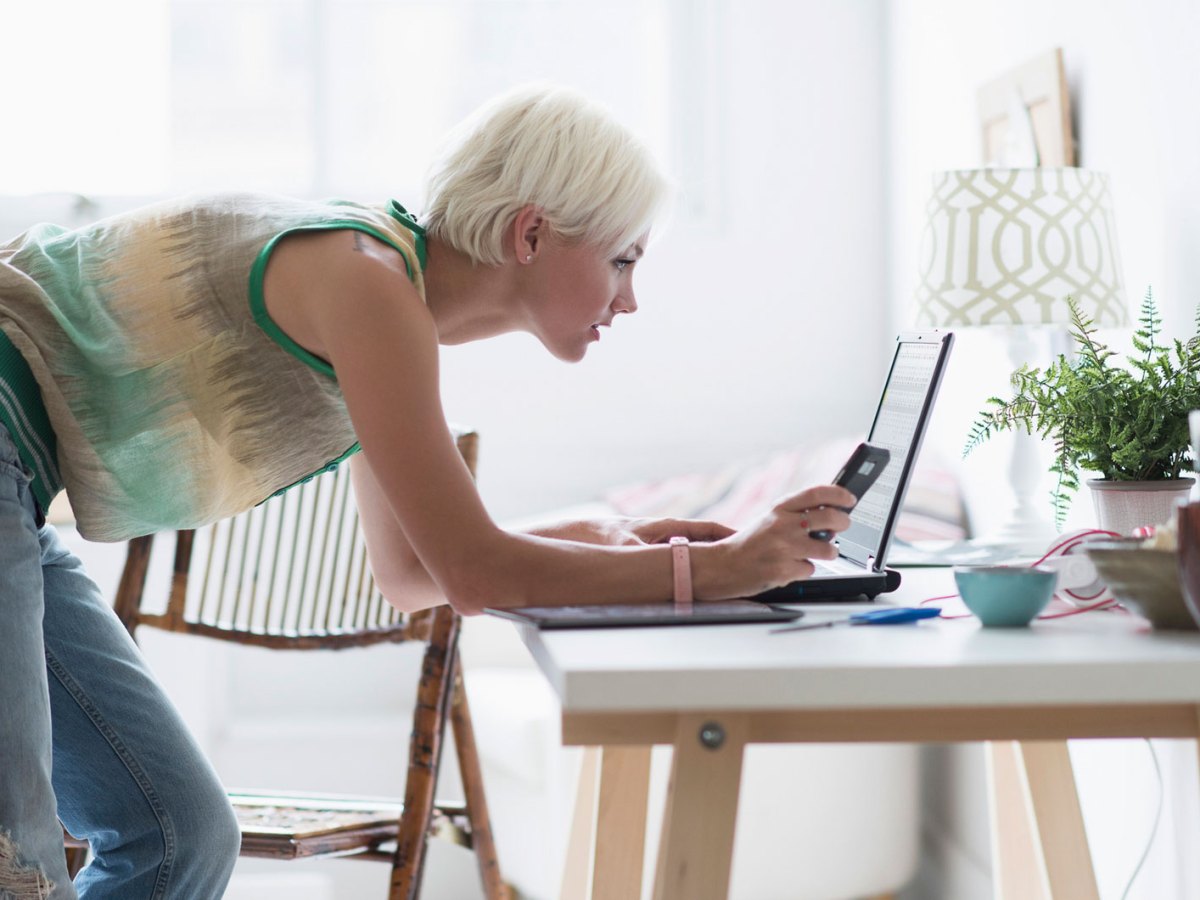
(622, 615)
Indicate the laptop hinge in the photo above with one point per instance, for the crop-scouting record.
(856, 553)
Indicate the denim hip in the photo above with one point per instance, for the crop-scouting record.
(12, 467)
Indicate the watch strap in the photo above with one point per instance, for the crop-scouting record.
(681, 562)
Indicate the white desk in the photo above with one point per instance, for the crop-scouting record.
(711, 690)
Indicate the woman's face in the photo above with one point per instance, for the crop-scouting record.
(579, 290)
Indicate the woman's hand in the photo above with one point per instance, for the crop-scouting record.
(659, 531)
(625, 531)
(775, 550)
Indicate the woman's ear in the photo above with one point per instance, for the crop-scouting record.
(528, 232)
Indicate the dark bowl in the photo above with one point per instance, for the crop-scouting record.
(1145, 580)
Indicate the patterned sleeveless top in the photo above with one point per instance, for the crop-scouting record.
(139, 368)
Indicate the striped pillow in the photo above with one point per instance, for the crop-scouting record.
(738, 493)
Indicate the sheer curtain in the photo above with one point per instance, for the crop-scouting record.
(329, 97)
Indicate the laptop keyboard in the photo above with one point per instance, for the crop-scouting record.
(839, 566)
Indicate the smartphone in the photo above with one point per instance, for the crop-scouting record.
(865, 464)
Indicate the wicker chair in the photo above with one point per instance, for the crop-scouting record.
(291, 574)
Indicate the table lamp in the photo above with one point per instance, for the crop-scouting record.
(1006, 248)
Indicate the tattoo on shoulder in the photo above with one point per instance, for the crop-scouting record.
(360, 246)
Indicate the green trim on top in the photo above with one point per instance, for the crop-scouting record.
(328, 467)
(24, 414)
(409, 221)
(258, 303)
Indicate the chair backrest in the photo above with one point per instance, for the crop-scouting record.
(290, 573)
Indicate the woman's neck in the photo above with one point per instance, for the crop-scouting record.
(469, 301)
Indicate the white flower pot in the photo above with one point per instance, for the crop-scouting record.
(1122, 506)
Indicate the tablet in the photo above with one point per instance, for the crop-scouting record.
(647, 614)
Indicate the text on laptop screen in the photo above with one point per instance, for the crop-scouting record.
(895, 428)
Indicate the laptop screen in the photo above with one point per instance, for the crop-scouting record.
(899, 426)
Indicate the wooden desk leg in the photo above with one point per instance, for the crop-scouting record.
(1059, 819)
(608, 831)
(1016, 861)
(576, 883)
(696, 848)
(1039, 844)
(621, 823)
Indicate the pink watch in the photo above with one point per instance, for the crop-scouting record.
(681, 562)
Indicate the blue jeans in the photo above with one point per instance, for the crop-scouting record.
(88, 736)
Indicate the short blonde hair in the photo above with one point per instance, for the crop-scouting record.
(551, 148)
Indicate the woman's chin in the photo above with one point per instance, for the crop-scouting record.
(568, 353)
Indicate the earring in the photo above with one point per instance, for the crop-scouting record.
(529, 258)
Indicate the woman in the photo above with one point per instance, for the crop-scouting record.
(176, 365)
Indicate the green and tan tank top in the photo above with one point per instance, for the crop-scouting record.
(140, 370)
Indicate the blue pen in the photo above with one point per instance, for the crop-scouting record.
(890, 615)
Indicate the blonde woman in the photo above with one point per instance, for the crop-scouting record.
(180, 363)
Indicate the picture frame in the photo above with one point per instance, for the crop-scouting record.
(1025, 115)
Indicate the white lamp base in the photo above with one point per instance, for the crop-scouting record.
(1028, 529)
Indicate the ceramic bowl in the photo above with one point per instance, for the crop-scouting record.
(1144, 580)
(1005, 596)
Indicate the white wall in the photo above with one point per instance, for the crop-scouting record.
(746, 321)
(762, 292)
(1133, 84)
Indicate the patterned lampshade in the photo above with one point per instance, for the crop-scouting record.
(1008, 246)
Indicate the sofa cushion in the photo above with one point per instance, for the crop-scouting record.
(737, 493)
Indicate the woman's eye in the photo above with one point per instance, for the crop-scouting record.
(622, 263)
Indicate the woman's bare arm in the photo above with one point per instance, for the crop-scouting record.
(404, 580)
(398, 573)
(358, 310)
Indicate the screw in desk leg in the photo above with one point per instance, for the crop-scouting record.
(712, 735)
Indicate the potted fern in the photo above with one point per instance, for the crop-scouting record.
(1130, 425)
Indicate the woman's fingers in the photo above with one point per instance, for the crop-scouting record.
(822, 518)
(658, 531)
(700, 530)
(808, 547)
(822, 495)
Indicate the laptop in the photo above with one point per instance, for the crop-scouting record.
(918, 364)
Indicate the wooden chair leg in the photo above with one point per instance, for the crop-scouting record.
(76, 858)
(127, 603)
(482, 840)
(425, 753)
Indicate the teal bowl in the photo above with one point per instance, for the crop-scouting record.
(1005, 596)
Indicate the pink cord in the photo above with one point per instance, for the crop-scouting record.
(1079, 610)
(1062, 548)
(1112, 605)
(929, 600)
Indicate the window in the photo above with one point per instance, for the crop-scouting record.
(86, 97)
(329, 97)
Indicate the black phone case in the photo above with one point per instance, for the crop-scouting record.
(853, 477)
(865, 464)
